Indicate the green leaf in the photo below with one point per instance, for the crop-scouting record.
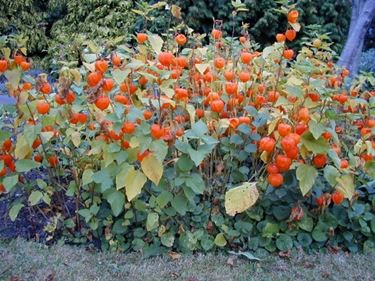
(86, 214)
(198, 130)
(10, 182)
(241, 198)
(120, 75)
(370, 168)
(220, 240)
(35, 197)
(87, 176)
(117, 200)
(152, 221)
(167, 239)
(284, 242)
(104, 178)
(13, 212)
(316, 129)
(330, 174)
(4, 135)
(184, 163)
(25, 165)
(306, 224)
(319, 235)
(270, 229)
(196, 156)
(306, 175)
(152, 168)
(196, 183)
(160, 149)
(317, 146)
(164, 198)
(179, 203)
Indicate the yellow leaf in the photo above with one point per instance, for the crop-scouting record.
(176, 11)
(89, 66)
(6, 53)
(76, 138)
(156, 43)
(134, 181)
(120, 178)
(13, 77)
(202, 67)
(23, 149)
(152, 168)
(241, 198)
(296, 26)
(345, 185)
(46, 136)
(220, 240)
(76, 76)
(264, 157)
(272, 125)
(191, 110)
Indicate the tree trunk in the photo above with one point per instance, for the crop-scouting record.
(363, 12)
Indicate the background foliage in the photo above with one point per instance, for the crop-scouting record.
(61, 26)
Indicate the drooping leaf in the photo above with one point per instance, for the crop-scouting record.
(306, 175)
(152, 168)
(330, 174)
(134, 181)
(23, 149)
(346, 186)
(241, 198)
(156, 42)
(317, 146)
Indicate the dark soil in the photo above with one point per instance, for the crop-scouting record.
(28, 225)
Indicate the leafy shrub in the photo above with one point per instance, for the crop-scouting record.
(24, 18)
(367, 62)
(262, 18)
(176, 145)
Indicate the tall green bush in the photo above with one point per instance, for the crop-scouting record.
(264, 21)
(25, 18)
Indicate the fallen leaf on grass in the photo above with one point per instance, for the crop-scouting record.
(247, 255)
(232, 260)
(174, 256)
(285, 254)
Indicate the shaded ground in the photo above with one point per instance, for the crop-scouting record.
(27, 225)
(31, 261)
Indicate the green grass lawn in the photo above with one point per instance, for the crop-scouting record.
(32, 261)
